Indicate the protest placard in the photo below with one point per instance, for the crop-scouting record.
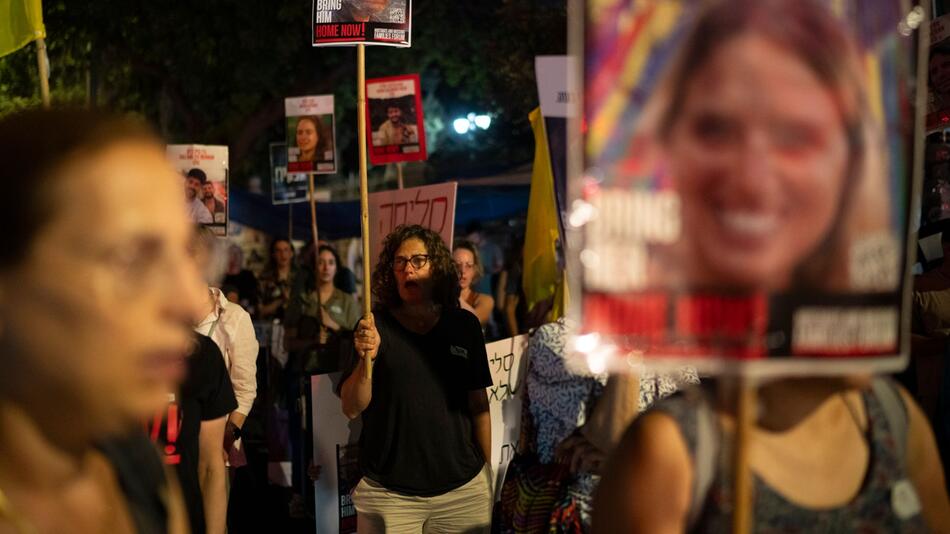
(395, 118)
(745, 204)
(204, 169)
(432, 206)
(373, 22)
(311, 134)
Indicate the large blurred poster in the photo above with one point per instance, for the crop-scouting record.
(374, 22)
(395, 118)
(745, 193)
(311, 134)
(204, 171)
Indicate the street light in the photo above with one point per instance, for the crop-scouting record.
(470, 123)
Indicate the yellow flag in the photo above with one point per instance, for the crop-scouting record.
(21, 21)
(542, 278)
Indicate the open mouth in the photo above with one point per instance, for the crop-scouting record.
(410, 284)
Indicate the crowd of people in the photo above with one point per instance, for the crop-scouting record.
(132, 340)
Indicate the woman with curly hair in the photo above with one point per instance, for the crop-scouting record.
(426, 435)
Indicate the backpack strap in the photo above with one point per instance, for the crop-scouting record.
(704, 459)
(895, 412)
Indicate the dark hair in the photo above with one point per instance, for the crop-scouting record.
(323, 141)
(331, 250)
(476, 259)
(273, 264)
(37, 148)
(198, 174)
(815, 36)
(445, 279)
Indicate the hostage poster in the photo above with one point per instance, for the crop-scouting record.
(744, 202)
(311, 134)
(395, 118)
(204, 172)
(373, 22)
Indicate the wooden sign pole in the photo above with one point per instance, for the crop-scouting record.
(745, 421)
(316, 249)
(364, 193)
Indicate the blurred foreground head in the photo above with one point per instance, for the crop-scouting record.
(97, 290)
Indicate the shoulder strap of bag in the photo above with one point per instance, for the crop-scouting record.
(704, 462)
(895, 412)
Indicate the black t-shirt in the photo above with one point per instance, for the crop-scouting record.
(206, 394)
(417, 434)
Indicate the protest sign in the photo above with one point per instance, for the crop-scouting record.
(431, 206)
(311, 134)
(395, 118)
(335, 450)
(373, 22)
(286, 188)
(507, 361)
(204, 170)
(744, 205)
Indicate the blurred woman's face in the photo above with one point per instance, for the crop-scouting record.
(326, 266)
(465, 263)
(95, 320)
(283, 254)
(307, 135)
(759, 154)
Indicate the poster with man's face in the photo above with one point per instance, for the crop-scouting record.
(204, 172)
(744, 204)
(373, 22)
(394, 115)
(311, 134)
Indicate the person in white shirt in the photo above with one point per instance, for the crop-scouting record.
(230, 327)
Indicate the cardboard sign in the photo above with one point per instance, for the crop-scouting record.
(395, 118)
(745, 201)
(431, 206)
(311, 134)
(372, 22)
(204, 170)
(508, 364)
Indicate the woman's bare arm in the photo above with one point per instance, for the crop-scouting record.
(646, 483)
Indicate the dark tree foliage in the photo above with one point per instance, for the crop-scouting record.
(217, 71)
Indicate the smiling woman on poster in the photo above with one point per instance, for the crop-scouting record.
(779, 164)
(310, 139)
(770, 142)
(426, 438)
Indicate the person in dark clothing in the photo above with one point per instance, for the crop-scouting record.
(192, 431)
(426, 435)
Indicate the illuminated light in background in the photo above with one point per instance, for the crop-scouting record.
(587, 343)
(582, 213)
(470, 123)
(461, 126)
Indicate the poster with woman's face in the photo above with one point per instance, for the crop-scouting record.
(204, 172)
(746, 184)
(394, 115)
(311, 136)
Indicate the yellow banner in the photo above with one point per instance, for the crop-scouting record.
(21, 21)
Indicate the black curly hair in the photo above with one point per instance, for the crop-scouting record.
(445, 280)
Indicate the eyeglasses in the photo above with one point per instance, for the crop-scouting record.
(417, 261)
